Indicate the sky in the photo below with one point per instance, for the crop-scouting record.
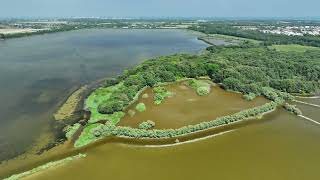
(159, 8)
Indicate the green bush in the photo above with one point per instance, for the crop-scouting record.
(168, 133)
(160, 93)
(201, 87)
(293, 109)
(110, 107)
(202, 91)
(147, 124)
(70, 130)
(145, 96)
(141, 107)
(249, 97)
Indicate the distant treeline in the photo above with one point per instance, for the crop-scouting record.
(46, 31)
(267, 38)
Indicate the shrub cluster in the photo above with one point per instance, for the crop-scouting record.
(141, 107)
(70, 130)
(167, 133)
(202, 91)
(147, 124)
(249, 97)
(200, 86)
(293, 109)
(160, 93)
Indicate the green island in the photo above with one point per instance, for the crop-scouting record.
(253, 70)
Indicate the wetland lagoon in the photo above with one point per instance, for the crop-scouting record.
(277, 145)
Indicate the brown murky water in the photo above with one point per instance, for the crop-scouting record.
(279, 146)
(186, 107)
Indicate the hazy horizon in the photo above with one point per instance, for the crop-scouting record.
(163, 8)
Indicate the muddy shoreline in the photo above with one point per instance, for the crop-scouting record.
(79, 115)
(56, 128)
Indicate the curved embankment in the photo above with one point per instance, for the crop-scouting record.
(185, 142)
(309, 119)
(310, 104)
(191, 129)
(44, 167)
(103, 130)
(305, 97)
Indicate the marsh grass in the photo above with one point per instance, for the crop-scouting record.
(70, 130)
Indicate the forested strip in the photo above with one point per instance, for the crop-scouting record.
(267, 38)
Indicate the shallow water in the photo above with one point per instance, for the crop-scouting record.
(38, 72)
(186, 107)
(279, 146)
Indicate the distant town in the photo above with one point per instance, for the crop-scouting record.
(17, 28)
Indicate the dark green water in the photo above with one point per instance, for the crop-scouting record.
(38, 72)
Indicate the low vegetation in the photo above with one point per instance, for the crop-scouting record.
(250, 96)
(70, 130)
(141, 107)
(45, 166)
(145, 96)
(97, 98)
(160, 93)
(131, 112)
(292, 108)
(202, 87)
(147, 124)
(168, 133)
(294, 48)
(87, 135)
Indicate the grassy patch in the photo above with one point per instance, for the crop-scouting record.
(160, 93)
(202, 87)
(71, 130)
(87, 136)
(131, 112)
(145, 96)
(228, 40)
(147, 124)
(97, 97)
(234, 38)
(294, 48)
(249, 97)
(141, 107)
